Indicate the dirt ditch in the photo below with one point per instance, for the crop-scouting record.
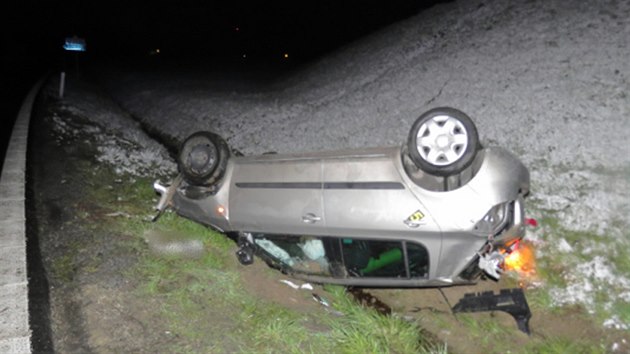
(83, 297)
(85, 300)
(82, 267)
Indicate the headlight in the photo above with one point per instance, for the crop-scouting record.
(494, 222)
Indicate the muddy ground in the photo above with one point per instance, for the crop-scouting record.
(84, 298)
(61, 219)
(86, 301)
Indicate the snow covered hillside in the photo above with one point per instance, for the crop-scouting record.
(119, 139)
(549, 80)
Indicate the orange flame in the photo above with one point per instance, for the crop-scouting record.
(521, 259)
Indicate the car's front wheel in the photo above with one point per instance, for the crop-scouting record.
(203, 158)
(443, 141)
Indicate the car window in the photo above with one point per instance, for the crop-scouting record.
(304, 254)
(346, 257)
(375, 258)
(418, 259)
(367, 258)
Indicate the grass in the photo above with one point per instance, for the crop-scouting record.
(187, 286)
(194, 293)
(541, 299)
(559, 345)
(558, 270)
(362, 330)
(63, 267)
(202, 302)
(199, 304)
(620, 257)
(485, 328)
(622, 308)
(191, 291)
(274, 328)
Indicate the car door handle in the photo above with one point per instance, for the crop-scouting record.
(412, 224)
(311, 218)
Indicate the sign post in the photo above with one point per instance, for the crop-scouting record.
(62, 83)
(71, 44)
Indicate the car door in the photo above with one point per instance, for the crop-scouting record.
(364, 196)
(277, 195)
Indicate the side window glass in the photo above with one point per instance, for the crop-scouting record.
(360, 258)
(369, 258)
(305, 254)
(418, 258)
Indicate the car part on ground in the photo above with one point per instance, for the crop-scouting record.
(246, 249)
(166, 195)
(512, 301)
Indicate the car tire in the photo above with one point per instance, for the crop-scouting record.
(443, 141)
(202, 158)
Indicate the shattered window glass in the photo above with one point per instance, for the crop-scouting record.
(305, 254)
(347, 257)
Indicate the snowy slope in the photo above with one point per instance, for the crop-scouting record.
(547, 79)
(119, 139)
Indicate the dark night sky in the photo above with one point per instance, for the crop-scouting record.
(199, 28)
(217, 33)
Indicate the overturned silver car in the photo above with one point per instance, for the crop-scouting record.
(439, 210)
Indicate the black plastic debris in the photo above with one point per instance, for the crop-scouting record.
(511, 301)
(245, 252)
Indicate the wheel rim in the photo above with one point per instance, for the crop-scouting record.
(202, 157)
(442, 140)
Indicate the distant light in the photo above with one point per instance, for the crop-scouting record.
(244, 56)
(286, 55)
(237, 28)
(75, 44)
(74, 47)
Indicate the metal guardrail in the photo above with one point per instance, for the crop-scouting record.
(15, 332)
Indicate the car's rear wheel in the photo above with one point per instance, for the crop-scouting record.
(443, 141)
(203, 158)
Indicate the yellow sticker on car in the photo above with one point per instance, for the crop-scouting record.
(414, 219)
(417, 216)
